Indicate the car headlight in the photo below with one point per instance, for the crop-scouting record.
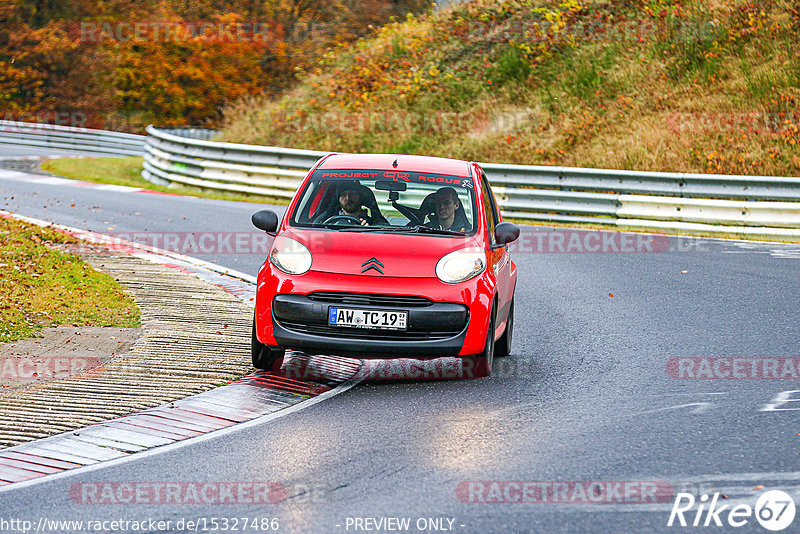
(461, 265)
(290, 256)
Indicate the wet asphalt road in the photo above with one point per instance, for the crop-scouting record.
(586, 396)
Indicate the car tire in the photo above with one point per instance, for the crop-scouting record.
(264, 357)
(480, 366)
(503, 346)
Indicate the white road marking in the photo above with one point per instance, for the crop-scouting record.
(783, 397)
(700, 407)
(119, 188)
(786, 251)
(687, 393)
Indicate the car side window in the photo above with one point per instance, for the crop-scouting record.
(489, 207)
(311, 202)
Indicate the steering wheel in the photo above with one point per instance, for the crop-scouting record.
(335, 219)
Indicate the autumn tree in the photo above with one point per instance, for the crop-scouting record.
(83, 55)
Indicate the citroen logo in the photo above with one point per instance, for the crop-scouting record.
(372, 263)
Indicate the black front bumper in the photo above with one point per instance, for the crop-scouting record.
(434, 328)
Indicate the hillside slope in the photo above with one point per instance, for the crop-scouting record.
(644, 84)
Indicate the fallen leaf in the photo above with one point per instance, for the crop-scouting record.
(611, 294)
(758, 487)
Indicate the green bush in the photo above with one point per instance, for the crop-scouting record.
(512, 66)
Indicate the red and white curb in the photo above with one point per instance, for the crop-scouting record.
(255, 399)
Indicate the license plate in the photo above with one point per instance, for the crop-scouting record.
(349, 317)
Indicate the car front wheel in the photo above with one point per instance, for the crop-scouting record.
(503, 346)
(264, 357)
(480, 366)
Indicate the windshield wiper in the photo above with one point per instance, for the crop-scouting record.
(330, 226)
(359, 228)
(420, 229)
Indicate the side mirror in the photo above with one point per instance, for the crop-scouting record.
(266, 220)
(505, 232)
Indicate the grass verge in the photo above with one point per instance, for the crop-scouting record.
(44, 287)
(127, 172)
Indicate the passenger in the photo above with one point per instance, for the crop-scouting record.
(447, 213)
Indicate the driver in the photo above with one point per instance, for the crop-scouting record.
(351, 204)
(446, 212)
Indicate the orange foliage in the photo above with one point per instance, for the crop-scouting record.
(122, 65)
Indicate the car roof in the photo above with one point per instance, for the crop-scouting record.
(383, 162)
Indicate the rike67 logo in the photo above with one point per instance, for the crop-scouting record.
(774, 511)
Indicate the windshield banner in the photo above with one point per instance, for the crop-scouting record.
(396, 176)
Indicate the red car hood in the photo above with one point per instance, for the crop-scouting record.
(396, 255)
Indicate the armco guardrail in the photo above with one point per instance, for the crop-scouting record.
(646, 183)
(759, 205)
(259, 170)
(763, 205)
(100, 142)
(190, 132)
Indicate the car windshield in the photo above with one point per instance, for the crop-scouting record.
(387, 201)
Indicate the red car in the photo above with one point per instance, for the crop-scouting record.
(386, 256)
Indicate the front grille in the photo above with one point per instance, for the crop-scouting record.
(362, 299)
(364, 333)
